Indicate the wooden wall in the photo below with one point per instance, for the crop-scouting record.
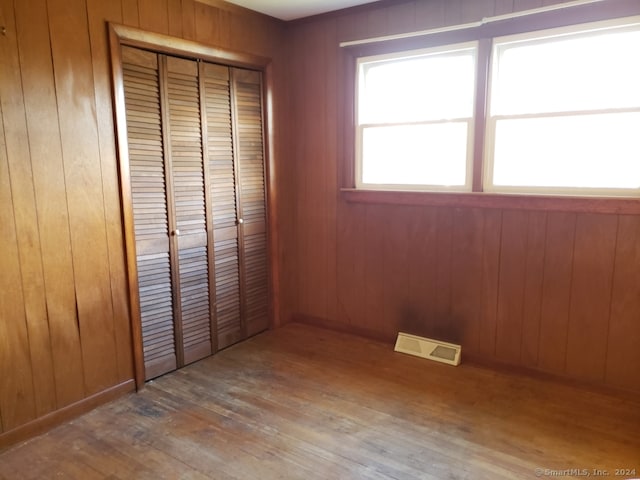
(552, 291)
(64, 321)
(559, 292)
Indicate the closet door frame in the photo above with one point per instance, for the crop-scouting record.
(120, 35)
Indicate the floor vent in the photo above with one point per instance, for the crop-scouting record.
(428, 348)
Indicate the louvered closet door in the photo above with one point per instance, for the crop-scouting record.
(150, 211)
(217, 100)
(247, 104)
(196, 165)
(185, 153)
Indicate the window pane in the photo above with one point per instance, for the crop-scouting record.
(588, 151)
(428, 87)
(574, 72)
(434, 154)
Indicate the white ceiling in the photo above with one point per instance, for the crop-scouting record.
(292, 9)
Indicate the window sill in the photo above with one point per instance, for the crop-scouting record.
(627, 206)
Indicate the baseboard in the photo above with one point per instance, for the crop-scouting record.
(478, 361)
(344, 328)
(601, 388)
(47, 422)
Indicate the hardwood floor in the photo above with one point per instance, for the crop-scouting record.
(306, 403)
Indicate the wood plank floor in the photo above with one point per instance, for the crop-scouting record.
(306, 403)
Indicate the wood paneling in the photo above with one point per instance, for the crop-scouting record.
(525, 282)
(188, 19)
(513, 257)
(623, 354)
(594, 256)
(362, 265)
(16, 380)
(98, 12)
(422, 280)
(154, 15)
(556, 291)
(53, 217)
(174, 13)
(466, 278)
(130, 15)
(25, 222)
(534, 276)
(65, 331)
(491, 277)
(83, 178)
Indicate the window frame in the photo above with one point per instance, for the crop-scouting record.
(483, 33)
(542, 37)
(470, 121)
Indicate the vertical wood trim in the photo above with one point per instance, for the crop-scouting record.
(213, 324)
(171, 212)
(349, 121)
(240, 212)
(271, 195)
(127, 206)
(314, 221)
(330, 111)
(480, 112)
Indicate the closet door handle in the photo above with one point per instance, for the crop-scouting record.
(240, 221)
(175, 233)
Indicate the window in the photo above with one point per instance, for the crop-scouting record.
(565, 112)
(562, 115)
(415, 119)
